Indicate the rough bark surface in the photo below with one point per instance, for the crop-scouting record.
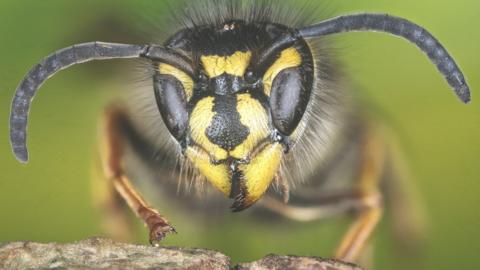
(98, 253)
(295, 262)
(298, 263)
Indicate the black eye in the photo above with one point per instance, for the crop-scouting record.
(172, 104)
(288, 100)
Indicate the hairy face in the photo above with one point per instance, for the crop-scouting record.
(234, 121)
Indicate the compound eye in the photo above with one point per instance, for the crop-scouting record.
(288, 100)
(172, 104)
(173, 90)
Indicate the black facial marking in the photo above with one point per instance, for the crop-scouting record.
(221, 40)
(240, 38)
(226, 84)
(226, 130)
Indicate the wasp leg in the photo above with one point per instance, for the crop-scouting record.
(113, 211)
(370, 174)
(326, 206)
(359, 232)
(113, 169)
(364, 199)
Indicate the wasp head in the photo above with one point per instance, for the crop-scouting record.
(234, 117)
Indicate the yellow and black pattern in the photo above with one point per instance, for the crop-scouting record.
(237, 130)
(235, 64)
(289, 58)
(184, 78)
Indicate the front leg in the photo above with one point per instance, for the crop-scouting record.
(364, 199)
(112, 157)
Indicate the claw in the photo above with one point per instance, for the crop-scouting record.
(158, 232)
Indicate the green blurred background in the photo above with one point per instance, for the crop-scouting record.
(50, 200)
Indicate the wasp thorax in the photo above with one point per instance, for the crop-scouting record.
(231, 114)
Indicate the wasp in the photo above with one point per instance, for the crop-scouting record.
(250, 105)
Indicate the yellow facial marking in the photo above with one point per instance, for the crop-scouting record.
(262, 167)
(254, 116)
(200, 119)
(217, 175)
(235, 64)
(289, 58)
(186, 80)
(261, 171)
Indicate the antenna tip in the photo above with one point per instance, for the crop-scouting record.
(463, 93)
(21, 155)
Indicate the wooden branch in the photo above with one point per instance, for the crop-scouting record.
(98, 253)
